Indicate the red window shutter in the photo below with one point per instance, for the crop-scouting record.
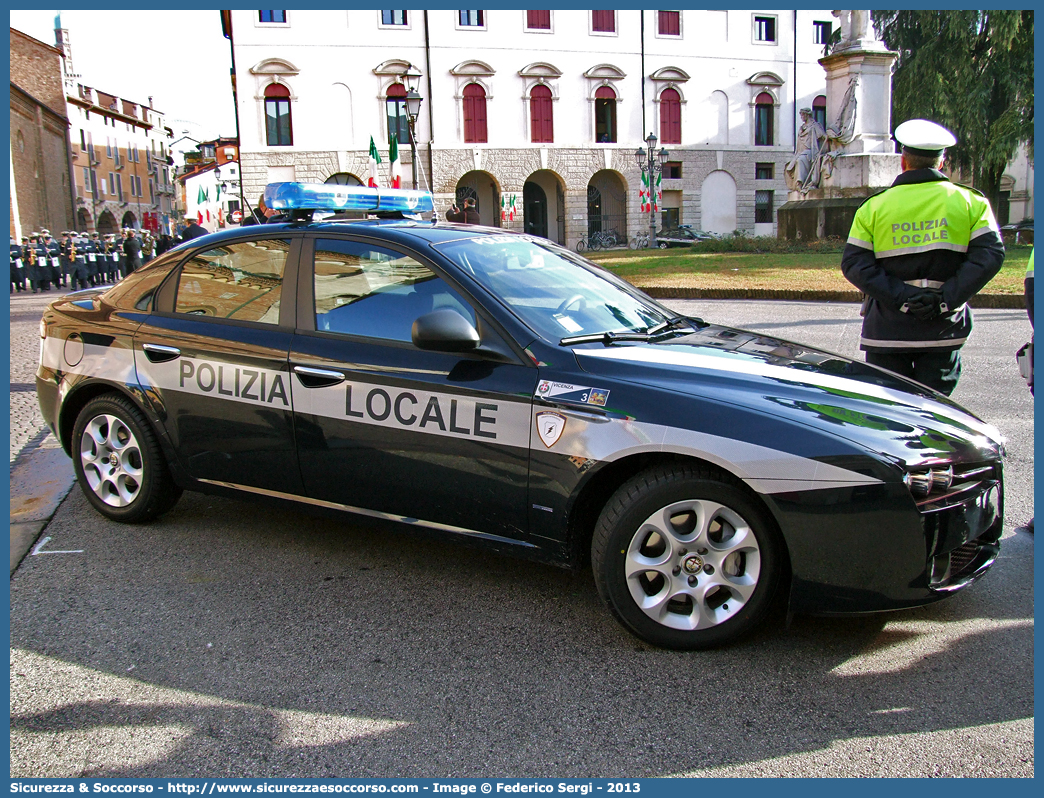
(474, 114)
(276, 90)
(605, 93)
(396, 90)
(603, 21)
(541, 120)
(670, 23)
(538, 20)
(670, 117)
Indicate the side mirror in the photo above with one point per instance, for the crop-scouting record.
(445, 330)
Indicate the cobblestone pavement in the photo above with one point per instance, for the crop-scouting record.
(27, 424)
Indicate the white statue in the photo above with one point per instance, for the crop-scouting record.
(855, 27)
(802, 171)
(817, 149)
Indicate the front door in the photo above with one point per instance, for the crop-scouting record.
(214, 352)
(382, 426)
(534, 207)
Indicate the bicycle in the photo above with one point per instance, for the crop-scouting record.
(592, 242)
(640, 241)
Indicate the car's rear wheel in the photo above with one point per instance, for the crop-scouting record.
(662, 245)
(685, 559)
(119, 463)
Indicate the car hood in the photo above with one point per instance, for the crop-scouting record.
(869, 406)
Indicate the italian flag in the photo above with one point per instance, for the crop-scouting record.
(643, 193)
(393, 156)
(508, 207)
(657, 199)
(375, 159)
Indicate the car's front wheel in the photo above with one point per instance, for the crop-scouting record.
(118, 461)
(685, 559)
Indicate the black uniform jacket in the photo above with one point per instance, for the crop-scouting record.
(884, 281)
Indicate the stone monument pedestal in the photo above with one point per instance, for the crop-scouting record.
(861, 159)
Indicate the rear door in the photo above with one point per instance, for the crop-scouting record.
(434, 437)
(214, 352)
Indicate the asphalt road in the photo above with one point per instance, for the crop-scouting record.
(234, 639)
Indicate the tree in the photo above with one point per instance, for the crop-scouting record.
(972, 72)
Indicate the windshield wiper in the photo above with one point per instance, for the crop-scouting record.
(678, 322)
(608, 337)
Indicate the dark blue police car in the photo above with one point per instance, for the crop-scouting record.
(500, 388)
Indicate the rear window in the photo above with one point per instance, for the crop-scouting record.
(242, 281)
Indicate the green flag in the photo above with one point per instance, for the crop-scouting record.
(202, 197)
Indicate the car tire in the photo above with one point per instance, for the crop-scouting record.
(662, 245)
(685, 558)
(119, 463)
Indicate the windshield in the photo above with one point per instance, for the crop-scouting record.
(548, 288)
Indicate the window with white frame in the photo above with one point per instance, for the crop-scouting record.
(764, 113)
(821, 32)
(603, 21)
(471, 19)
(668, 23)
(391, 18)
(277, 17)
(538, 20)
(764, 29)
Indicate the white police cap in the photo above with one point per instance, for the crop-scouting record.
(923, 137)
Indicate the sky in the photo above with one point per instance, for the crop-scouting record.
(179, 58)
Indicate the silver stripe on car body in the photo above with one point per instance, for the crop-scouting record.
(451, 415)
(587, 434)
(217, 379)
(764, 469)
(666, 356)
(115, 363)
(370, 513)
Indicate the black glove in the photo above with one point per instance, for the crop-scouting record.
(926, 304)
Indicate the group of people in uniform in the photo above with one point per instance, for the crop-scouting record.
(80, 260)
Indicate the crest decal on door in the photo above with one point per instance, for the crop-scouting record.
(550, 427)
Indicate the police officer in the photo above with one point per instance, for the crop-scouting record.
(17, 270)
(919, 251)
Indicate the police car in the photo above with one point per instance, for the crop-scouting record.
(496, 387)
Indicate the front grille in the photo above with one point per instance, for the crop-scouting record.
(961, 558)
(943, 485)
(962, 526)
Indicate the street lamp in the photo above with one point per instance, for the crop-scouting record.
(413, 106)
(651, 163)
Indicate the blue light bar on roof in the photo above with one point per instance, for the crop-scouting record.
(331, 197)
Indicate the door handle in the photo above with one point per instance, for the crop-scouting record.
(318, 378)
(160, 354)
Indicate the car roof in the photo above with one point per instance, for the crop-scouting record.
(406, 231)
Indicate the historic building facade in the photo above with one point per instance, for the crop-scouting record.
(120, 156)
(40, 191)
(536, 114)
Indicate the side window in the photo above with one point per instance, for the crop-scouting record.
(241, 281)
(374, 292)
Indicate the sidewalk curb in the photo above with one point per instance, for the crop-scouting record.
(1011, 301)
(41, 477)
